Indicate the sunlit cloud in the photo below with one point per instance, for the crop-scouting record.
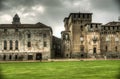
(38, 8)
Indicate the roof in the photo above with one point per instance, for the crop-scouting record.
(75, 14)
(37, 25)
(114, 23)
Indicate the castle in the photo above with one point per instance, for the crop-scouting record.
(84, 39)
(81, 39)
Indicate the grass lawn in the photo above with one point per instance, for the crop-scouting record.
(108, 69)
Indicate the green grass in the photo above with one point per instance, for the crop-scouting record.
(62, 70)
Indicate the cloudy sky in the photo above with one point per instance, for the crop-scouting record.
(52, 12)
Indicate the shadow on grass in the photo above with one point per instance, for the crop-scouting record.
(1, 75)
(118, 75)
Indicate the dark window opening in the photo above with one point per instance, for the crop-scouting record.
(106, 48)
(96, 26)
(83, 15)
(30, 57)
(29, 44)
(79, 16)
(94, 50)
(116, 48)
(38, 56)
(81, 27)
(4, 57)
(16, 30)
(44, 35)
(16, 57)
(10, 57)
(11, 45)
(29, 35)
(5, 30)
(5, 45)
(87, 15)
(91, 26)
(45, 44)
(16, 45)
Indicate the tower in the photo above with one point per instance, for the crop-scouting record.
(75, 29)
(16, 19)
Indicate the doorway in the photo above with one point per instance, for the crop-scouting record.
(94, 50)
(38, 56)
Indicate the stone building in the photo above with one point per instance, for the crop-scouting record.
(56, 47)
(25, 41)
(84, 39)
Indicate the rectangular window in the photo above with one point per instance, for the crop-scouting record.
(45, 44)
(87, 15)
(29, 35)
(29, 44)
(5, 30)
(96, 26)
(11, 46)
(91, 26)
(16, 30)
(5, 45)
(16, 45)
(44, 35)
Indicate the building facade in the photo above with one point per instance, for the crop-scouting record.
(25, 41)
(84, 39)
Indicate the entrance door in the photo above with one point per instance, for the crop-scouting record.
(38, 56)
(94, 50)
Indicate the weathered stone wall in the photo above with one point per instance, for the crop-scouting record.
(36, 38)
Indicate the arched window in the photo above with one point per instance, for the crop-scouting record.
(11, 47)
(16, 45)
(5, 45)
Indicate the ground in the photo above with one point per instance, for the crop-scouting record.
(104, 69)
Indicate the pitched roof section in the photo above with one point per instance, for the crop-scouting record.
(38, 25)
(114, 23)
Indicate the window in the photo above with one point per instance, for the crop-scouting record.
(16, 45)
(116, 48)
(106, 48)
(91, 26)
(5, 30)
(81, 27)
(45, 44)
(96, 26)
(5, 45)
(113, 27)
(29, 35)
(11, 45)
(29, 44)
(16, 30)
(44, 35)
(87, 15)
(83, 15)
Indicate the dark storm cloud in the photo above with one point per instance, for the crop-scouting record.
(52, 12)
(104, 5)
